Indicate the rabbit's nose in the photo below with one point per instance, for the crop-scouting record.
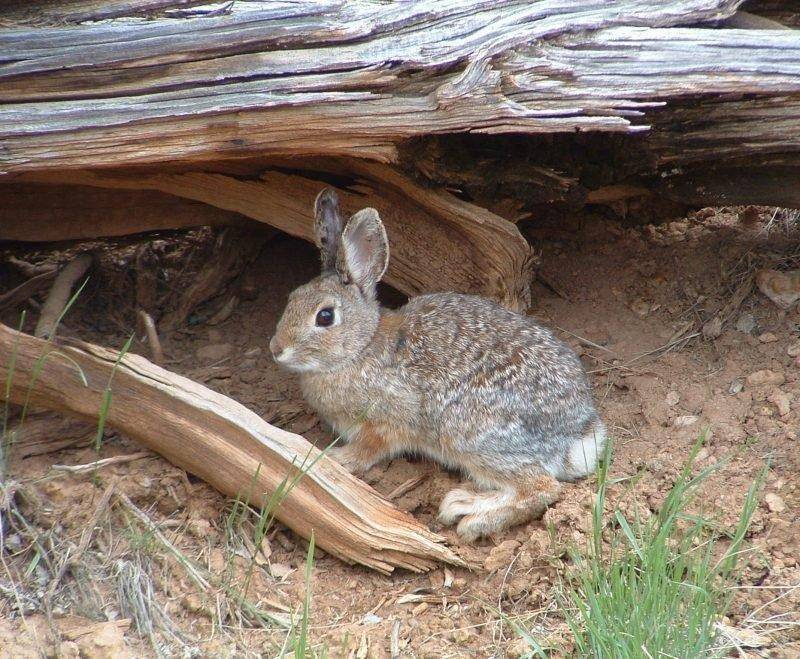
(275, 347)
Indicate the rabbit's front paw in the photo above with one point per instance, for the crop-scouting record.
(349, 459)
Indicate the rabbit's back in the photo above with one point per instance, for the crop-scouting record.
(494, 384)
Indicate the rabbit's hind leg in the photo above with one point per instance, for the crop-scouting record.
(526, 497)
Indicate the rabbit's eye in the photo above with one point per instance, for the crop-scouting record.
(325, 317)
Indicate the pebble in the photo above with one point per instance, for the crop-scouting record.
(214, 352)
(774, 503)
(767, 337)
(371, 619)
(766, 376)
(736, 386)
(685, 421)
(781, 400)
(673, 398)
(746, 323)
(250, 376)
(793, 350)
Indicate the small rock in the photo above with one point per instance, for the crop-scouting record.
(501, 556)
(713, 328)
(462, 635)
(250, 376)
(783, 288)
(774, 503)
(673, 398)
(793, 350)
(214, 352)
(749, 216)
(371, 619)
(782, 401)
(746, 323)
(685, 421)
(702, 454)
(107, 642)
(736, 386)
(767, 337)
(280, 570)
(765, 376)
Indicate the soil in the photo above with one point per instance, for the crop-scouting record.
(633, 301)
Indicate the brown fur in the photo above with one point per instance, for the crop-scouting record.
(455, 378)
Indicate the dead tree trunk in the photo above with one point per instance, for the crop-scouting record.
(557, 105)
(223, 443)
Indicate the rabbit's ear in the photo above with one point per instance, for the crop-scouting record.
(327, 227)
(364, 251)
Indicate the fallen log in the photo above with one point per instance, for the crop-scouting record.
(439, 242)
(225, 444)
(359, 80)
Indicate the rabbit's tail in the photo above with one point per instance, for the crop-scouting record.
(585, 451)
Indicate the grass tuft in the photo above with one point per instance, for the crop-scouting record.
(656, 587)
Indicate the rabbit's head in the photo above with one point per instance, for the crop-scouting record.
(330, 320)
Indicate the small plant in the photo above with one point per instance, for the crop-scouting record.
(658, 587)
(297, 644)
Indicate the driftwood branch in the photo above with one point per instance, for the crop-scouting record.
(59, 294)
(438, 241)
(227, 445)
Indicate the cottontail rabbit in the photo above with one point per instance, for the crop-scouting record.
(453, 377)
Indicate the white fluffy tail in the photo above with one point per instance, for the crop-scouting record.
(584, 454)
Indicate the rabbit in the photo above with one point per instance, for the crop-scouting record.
(456, 378)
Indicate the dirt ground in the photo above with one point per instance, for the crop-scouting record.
(637, 297)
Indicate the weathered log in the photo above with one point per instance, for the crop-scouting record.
(553, 104)
(225, 444)
(356, 78)
(438, 242)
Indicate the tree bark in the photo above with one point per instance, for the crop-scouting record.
(223, 443)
